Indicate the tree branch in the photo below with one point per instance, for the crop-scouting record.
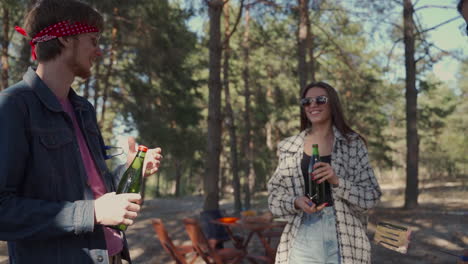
(440, 24)
(450, 53)
(420, 58)
(239, 15)
(391, 51)
(433, 6)
(340, 50)
(323, 51)
(266, 2)
(366, 15)
(417, 25)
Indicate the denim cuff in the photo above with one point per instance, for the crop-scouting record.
(83, 220)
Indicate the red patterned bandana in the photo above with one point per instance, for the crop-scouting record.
(61, 29)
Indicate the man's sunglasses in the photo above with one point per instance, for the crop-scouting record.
(319, 100)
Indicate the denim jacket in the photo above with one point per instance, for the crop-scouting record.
(46, 205)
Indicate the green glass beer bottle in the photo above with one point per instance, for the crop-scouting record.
(132, 179)
(316, 190)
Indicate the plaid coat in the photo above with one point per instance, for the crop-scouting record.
(358, 191)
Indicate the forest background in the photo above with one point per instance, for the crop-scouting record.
(216, 85)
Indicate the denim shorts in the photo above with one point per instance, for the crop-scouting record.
(316, 239)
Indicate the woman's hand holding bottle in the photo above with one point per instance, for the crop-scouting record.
(305, 204)
(324, 172)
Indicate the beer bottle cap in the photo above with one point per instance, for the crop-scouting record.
(143, 148)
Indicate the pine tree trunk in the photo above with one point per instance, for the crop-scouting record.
(5, 44)
(110, 66)
(246, 146)
(178, 176)
(230, 118)
(25, 55)
(310, 48)
(412, 140)
(158, 184)
(96, 87)
(25, 51)
(269, 96)
(211, 179)
(302, 39)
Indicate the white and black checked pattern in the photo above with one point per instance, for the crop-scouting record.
(358, 191)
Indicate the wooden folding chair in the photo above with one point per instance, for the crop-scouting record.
(206, 250)
(397, 238)
(178, 253)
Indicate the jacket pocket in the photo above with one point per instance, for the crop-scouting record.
(56, 160)
(55, 140)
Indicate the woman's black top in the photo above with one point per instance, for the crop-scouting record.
(305, 168)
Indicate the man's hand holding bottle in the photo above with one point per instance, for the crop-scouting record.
(119, 209)
(114, 209)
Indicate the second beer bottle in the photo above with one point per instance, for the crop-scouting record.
(132, 179)
(317, 191)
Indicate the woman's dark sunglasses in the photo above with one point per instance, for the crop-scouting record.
(319, 100)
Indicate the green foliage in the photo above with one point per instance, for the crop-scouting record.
(164, 104)
(436, 103)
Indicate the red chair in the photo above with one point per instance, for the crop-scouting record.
(178, 253)
(206, 249)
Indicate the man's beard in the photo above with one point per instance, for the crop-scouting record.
(76, 68)
(82, 72)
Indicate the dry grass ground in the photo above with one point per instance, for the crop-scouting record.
(441, 221)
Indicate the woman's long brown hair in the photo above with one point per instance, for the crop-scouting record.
(338, 119)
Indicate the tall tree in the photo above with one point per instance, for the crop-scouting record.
(230, 118)
(110, 66)
(211, 177)
(247, 145)
(303, 39)
(96, 83)
(24, 59)
(412, 139)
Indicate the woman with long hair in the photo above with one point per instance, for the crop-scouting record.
(334, 231)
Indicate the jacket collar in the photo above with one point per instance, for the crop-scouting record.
(337, 134)
(295, 143)
(46, 95)
(78, 102)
